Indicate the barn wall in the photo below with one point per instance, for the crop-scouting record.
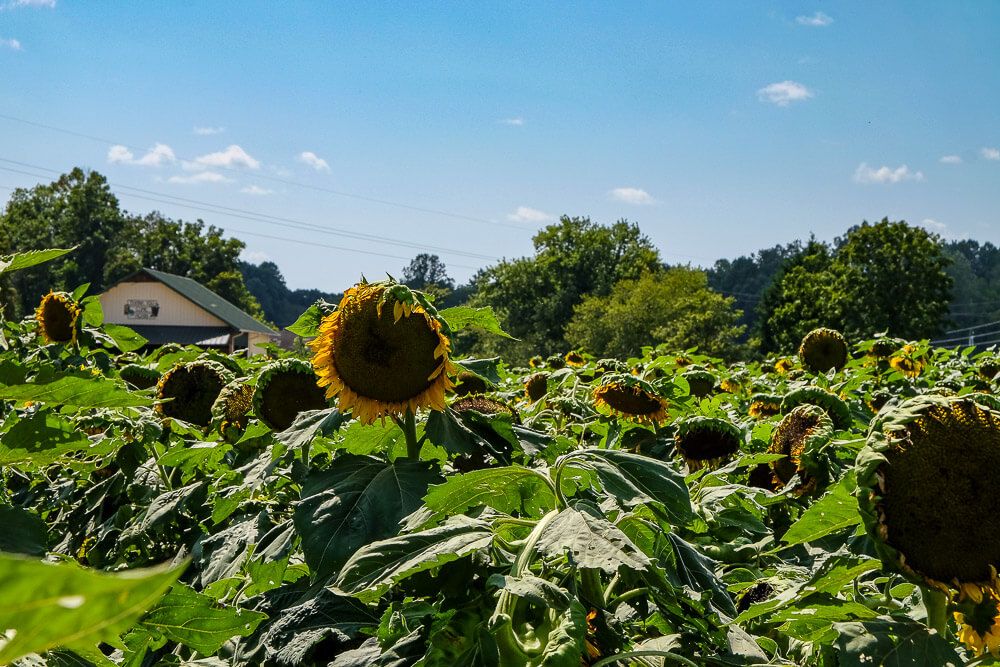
(153, 303)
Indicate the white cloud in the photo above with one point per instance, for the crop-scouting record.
(632, 196)
(30, 3)
(254, 256)
(11, 43)
(200, 177)
(784, 93)
(157, 156)
(884, 174)
(233, 156)
(526, 214)
(951, 159)
(990, 153)
(208, 131)
(933, 225)
(314, 161)
(516, 121)
(256, 190)
(817, 20)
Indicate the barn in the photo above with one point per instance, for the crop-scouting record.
(167, 308)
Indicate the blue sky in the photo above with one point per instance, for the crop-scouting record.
(461, 128)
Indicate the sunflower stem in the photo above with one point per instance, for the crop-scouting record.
(936, 604)
(409, 426)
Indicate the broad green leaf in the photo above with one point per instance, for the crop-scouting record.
(307, 324)
(22, 532)
(835, 511)
(127, 340)
(363, 439)
(892, 643)
(590, 539)
(460, 317)
(485, 368)
(696, 571)
(357, 500)
(49, 605)
(308, 425)
(509, 490)
(198, 622)
(22, 260)
(41, 438)
(533, 589)
(76, 391)
(376, 567)
(93, 313)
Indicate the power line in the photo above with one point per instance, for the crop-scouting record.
(275, 179)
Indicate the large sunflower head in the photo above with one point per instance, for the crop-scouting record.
(574, 359)
(834, 406)
(700, 382)
(929, 480)
(192, 388)
(822, 349)
(139, 376)
(800, 436)
(231, 409)
(763, 406)
(536, 386)
(383, 352)
(284, 389)
(631, 398)
(706, 442)
(57, 317)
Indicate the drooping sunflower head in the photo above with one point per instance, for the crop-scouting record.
(574, 359)
(191, 388)
(822, 349)
(763, 406)
(555, 362)
(610, 366)
(57, 317)
(757, 593)
(701, 382)
(734, 383)
(834, 406)
(630, 398)
(800, 436)
(383, 351)
(536, 386)
(231, 409)
(284, 389)
(139, 376)
(470, 383)
(929, 480)
(706, 442)
(485, 405)
(682, 361)
(909, 360)
(536, 361)
(989, 368)
(883, 347)
(783, 365)
(977, 614)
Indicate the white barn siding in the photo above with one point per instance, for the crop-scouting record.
(172, 308)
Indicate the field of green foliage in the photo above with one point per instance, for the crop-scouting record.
(377, 500)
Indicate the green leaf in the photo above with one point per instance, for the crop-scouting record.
(363, 439)
(198, 622)
(835, 511)
(375, 568)
(460, 317)
(41, 438)
(533, 589)
(93, 313)
(696, 571)
(484, 368)
(591, 540)
(76, 391)
(125, 338)
(509, 490)
(357, 500)
(61, 604)
(892, 643)
(23, 532)
(308, 425)
(22, 260)
(307, 324)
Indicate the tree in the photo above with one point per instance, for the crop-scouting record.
(675, 307)
(280, 304)
(747, 277)
(535, 296)
(427, 273)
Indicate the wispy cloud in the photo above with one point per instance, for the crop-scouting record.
(934, 226)
(314, 161)
(516, 121)
(635, 196)
(950, 159)
(233, 156)
(527, 214)
(254, 256)
(10, 43)
(200, 177)
(157, 156)
(14, 4)
(868, 175)
(256, 190)
(208, 131)
(817, 20)
(990, 153)
(784, 93)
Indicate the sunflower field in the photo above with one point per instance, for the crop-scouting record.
(378, 500)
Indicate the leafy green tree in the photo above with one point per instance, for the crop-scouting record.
(975, 272)
(747, 277)
(675, 307)
(281, 305)
(535, 296)
(428, 273)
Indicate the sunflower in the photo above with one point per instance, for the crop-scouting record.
(732, 384)
(682, 361)
(883, 347)
(469, 383)
(700, 383)
(231, 409)
(57, 317)
(383, 352)
(473, 409)
(838, 410)
(783, 365)
(763, 406)
(140, 377)
(908, 361)
(822, 349)
(977, 614)
(284, 389)
(927, 489)
(536, 361)
(610, 366)
(757, 593)
(555, 362)
(706, 442)
(536, 386)
(988, 368)
(574, 359)
(485, 405)
(631, 398)
(192, 387)
(799, 437)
